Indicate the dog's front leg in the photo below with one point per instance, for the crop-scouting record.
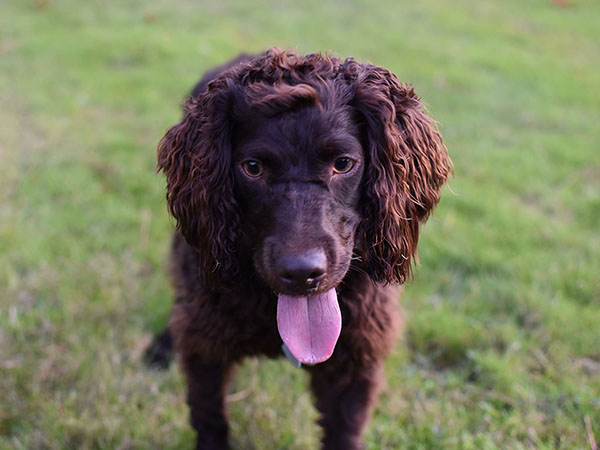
(207, 382)
(345, 399)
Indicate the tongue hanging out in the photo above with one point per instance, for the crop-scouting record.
(309, 326)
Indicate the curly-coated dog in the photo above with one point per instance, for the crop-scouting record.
(299, 184)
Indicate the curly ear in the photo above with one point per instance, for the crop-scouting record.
(407, 164)
(195, 156)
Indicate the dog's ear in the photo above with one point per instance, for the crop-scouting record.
(195, 156)
(407, 164)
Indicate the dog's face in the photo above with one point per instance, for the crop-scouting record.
(301, 161)
(297, 180)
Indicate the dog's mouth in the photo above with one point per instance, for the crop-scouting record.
(310, 325)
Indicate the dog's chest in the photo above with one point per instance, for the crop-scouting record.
(252, 322)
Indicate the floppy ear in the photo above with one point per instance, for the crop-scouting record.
(407, 164)
(195, 156)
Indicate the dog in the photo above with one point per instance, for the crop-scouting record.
(298, 185)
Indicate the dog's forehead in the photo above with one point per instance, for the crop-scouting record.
(306, 132)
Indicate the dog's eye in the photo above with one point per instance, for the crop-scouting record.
(343, 165)
(252, 168)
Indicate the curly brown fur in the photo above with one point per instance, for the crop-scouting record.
(257, 180)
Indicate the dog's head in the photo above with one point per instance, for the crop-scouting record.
(304, 165)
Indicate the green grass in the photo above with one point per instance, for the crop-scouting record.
(502, 340)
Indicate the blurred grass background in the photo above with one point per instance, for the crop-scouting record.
(502, 342)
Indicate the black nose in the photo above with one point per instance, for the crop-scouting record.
(302, 271)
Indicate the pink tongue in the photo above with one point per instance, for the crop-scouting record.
(309, 326)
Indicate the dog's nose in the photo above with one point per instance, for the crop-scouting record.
(302, 271)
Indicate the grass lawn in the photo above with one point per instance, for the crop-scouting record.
(502, 337)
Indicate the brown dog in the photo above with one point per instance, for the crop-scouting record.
(299, 184)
